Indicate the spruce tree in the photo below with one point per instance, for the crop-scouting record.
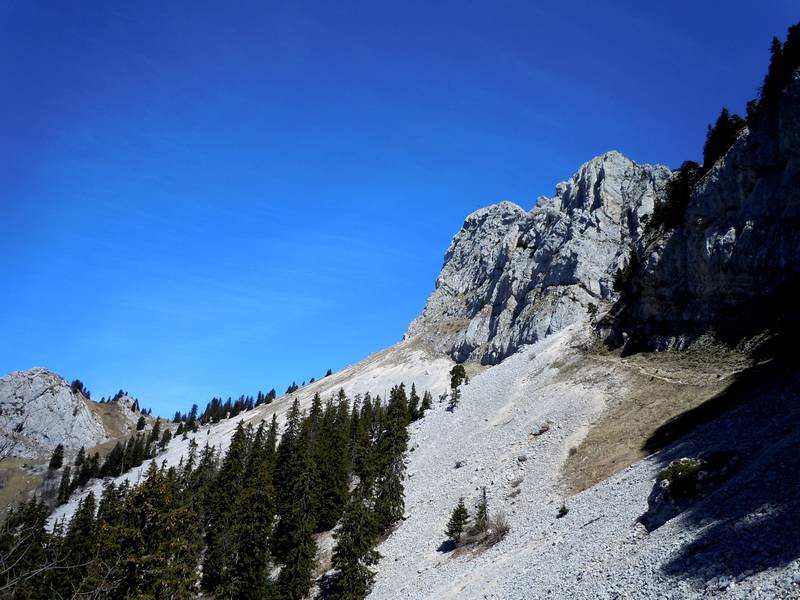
(458, 520)
(390, 466)
(80, 457)
(219, 563)
(333, 463)
(160, 541)
(165, 439)
(481, 513)
(155, 433)
(294, 535)
(79, 549)
(57, 458)
(64, 488)
(427, 403)
(414, 412)
(354, 552)
(254, 513)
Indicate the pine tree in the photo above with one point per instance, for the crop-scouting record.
(458, 520)
(80, 457)
(294, 534)
(57, 458)
(389, 504)
(218, 566)
(481, 513)
(64, 488)
(414, 412)
(140, 424)
(427, 403)
(254, 513)
(354, 552)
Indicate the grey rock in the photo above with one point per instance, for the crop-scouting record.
(39, 410)
(731, 267)
(512, 277)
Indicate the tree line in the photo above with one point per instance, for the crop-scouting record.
(238, 525)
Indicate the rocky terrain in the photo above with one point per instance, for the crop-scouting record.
(512, 277)
(39, 410)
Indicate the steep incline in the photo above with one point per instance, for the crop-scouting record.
(512, 277)
(733, 266)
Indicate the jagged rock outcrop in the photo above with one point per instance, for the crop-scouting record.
(511, 277)
(39, 410)
(733, 267)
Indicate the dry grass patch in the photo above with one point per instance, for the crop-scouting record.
(651, 389)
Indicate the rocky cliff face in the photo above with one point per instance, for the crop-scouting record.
(733, 266)
(38, 410)
(511, 277)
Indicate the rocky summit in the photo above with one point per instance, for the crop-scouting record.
(511, 277)
(39, 409)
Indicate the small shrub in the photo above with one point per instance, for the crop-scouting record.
(682, 477)
(573, 450)
(562, 512)
(497, 528)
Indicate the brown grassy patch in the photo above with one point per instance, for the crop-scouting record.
(653, 389)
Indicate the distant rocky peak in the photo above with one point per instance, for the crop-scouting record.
(511, 277)
(39, 409)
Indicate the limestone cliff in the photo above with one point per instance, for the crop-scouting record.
(732, 267)
(512, 277)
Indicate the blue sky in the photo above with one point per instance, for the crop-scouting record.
(215, 198)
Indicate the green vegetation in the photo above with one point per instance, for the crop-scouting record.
(458, 521)
(458, 375)
(224, 524)
(682, 476)
(57, 459)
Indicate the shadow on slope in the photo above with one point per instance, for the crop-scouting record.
(751, 522)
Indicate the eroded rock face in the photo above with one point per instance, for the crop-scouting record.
(511, 277)
(735, 262)
(38, 410)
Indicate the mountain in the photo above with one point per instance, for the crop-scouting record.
(39, 410)
(512, 277)
(627, 413)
